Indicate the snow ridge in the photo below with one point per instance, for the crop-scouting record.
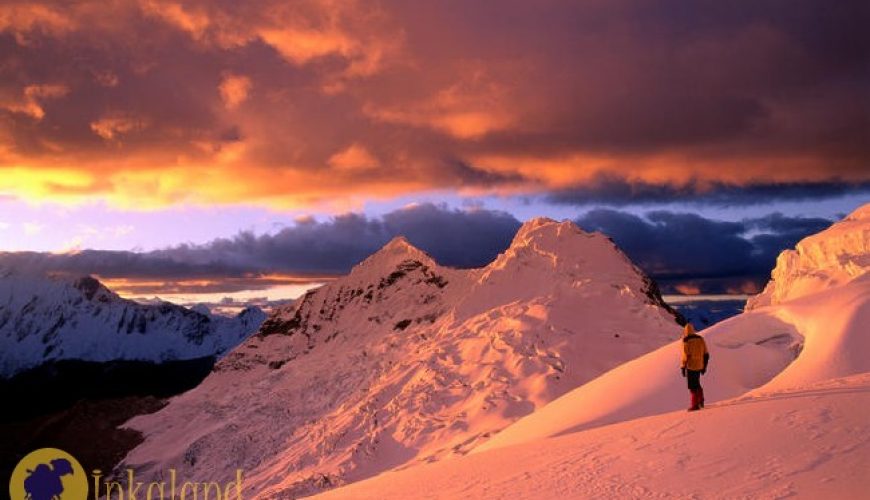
(405, 361)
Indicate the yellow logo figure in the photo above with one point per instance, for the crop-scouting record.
(48, 474)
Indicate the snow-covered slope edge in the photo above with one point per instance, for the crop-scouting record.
(824, 260)
(819, 335)
(52, 317)
(807, 442)
(404, 361)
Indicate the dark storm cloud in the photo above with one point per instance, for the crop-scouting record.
(680, 249)
(775, 232)
(461, 239)
(787, 226)
(614, 191)
(452, 237)
(715, 80)
(669, 244)
(308, 248)
(119, 264)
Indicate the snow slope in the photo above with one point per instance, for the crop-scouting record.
(404, 361)
(45, 318)
(820, 334)
(810, 442)
(746, 351)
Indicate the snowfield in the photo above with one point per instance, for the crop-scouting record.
(807, 442)
(746, 351)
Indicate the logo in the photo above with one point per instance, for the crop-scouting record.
(48, 474)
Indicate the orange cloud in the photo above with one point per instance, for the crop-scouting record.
(300, 32)
(224, 177)
(23, 18)
(745, 288)
(30, 103)
(469, 109)
(687, 289)
(301, 46)
(113, 127)
(355, 158)
(45, 183)
(234, 90)
(454, 121)
(191, 20)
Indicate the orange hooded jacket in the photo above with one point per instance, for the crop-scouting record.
(695, 354)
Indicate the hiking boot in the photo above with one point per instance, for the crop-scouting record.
(696, 401)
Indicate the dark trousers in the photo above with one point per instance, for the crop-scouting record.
(694, 379)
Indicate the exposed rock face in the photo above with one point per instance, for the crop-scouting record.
(404, 361)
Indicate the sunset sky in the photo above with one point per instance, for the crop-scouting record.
(219, 146)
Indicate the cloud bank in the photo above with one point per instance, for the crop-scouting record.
(685, 252)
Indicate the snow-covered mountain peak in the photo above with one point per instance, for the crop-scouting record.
(543, 231)
(534, 224)
(391, 255)
(400, 243)
(819, 262)
(547, 235)
(93, 289)
(544, 247)
(201, 308)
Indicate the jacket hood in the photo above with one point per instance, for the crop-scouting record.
(688, 330)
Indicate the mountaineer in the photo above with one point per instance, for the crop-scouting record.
(694, 364)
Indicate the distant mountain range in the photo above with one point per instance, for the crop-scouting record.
(48, 318)
(705, 313)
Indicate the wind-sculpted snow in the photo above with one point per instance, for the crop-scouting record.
(404, 361)
(746, 351)
(48, 318)
(824, 260)
(818, 335)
